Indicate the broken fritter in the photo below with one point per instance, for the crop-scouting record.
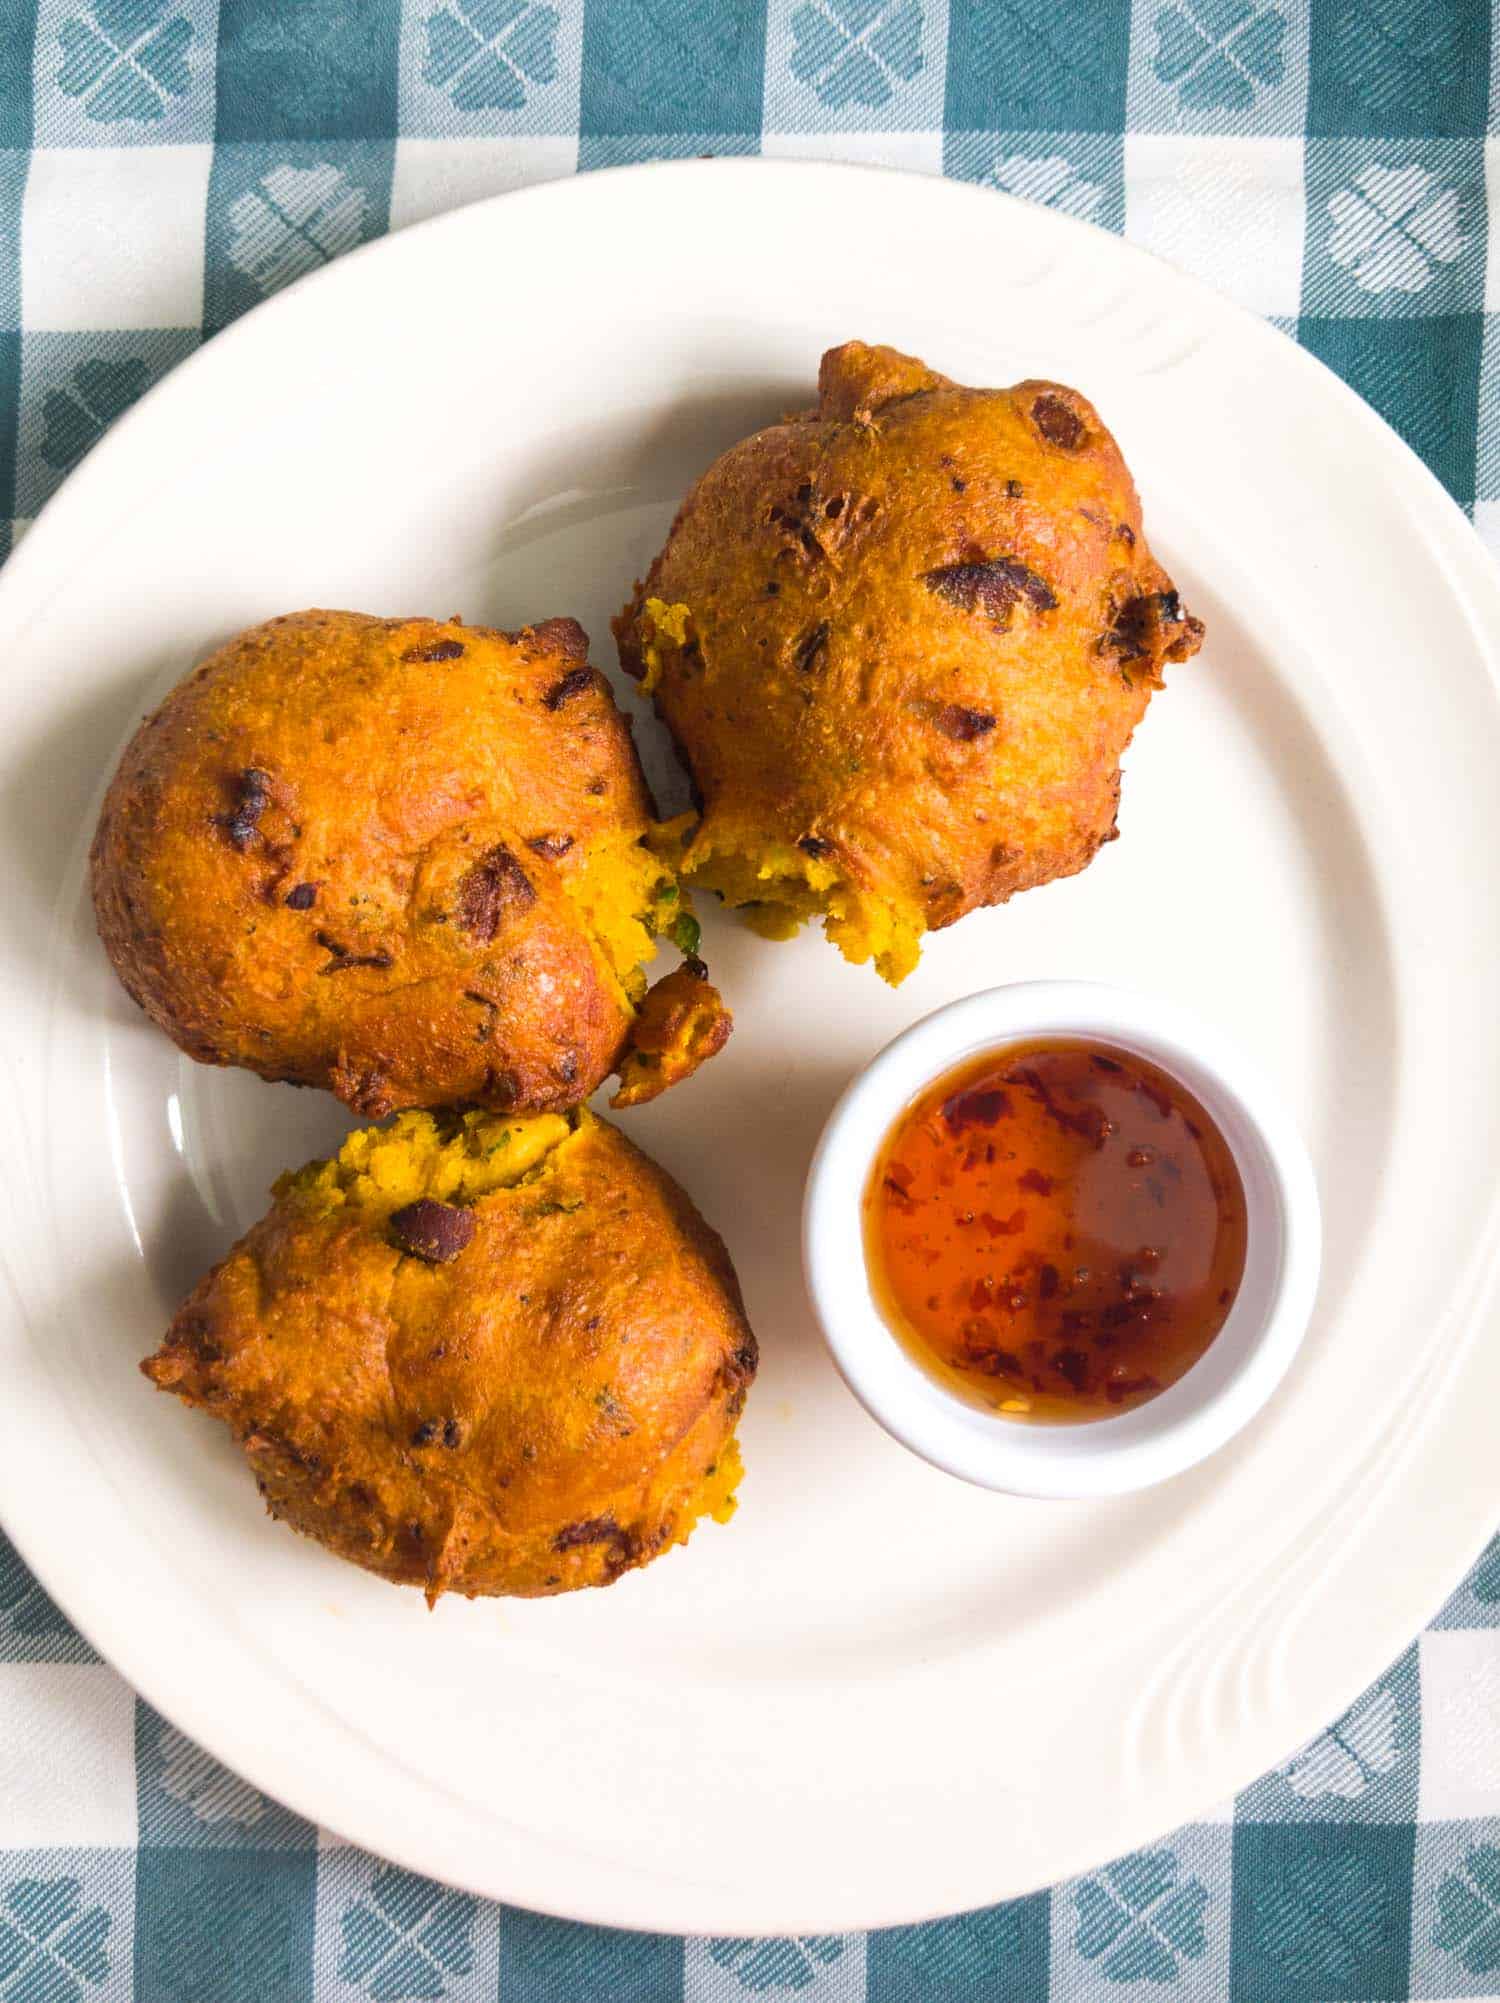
(901, 642)
(404, 859)
(478, 1354)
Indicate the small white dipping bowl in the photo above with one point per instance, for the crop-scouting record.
(1232, 1379)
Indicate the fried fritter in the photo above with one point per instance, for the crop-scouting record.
(901, 642)
(478, 1354)
(677, 1030)
(405, 859)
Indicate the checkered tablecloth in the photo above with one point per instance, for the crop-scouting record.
(165, 164)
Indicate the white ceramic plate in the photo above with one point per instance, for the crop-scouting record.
(880, 1694)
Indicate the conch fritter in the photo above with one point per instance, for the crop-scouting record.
(902, 641)
(405, 859)
(478, 1354)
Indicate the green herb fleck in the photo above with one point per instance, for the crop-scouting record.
(552, 1207)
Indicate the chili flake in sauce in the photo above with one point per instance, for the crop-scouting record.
(1056, 1228)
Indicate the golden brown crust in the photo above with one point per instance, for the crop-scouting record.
(682, 1023)
(940, 609)
(339, 854)
(549, 1406)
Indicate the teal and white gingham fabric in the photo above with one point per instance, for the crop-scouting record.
(165, 164)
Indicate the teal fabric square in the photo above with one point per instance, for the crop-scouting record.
(185, 1797)
(1421, 375)
(476, 68)
(17, 42)
(224, 1926)
(125, 72)
(1082, 174)
(67, 1920)
(31, 1628)
(276, 213)
(1037, 65)
(1322, 1914)
(1364, 1767)
(1455, 1914)
(14, 163)
(1477, 1601)
(1394, 226)
(1218, 66)
(307, 69)
(876, 64)
(999, 1955)
(1414, 67)
(73, 387)
(671, 66)
(1156, 1922)
(544, 1959)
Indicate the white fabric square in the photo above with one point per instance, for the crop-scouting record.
(1492, 209)
(384, 1932)
(116, 75)
(918, 152)
(881, 65)
(1237, 69)
(112, 237)
(1487, 522)
(485, 70)
(1228, 210)
(67, 1757)
(432, 175)
(1460, 1723)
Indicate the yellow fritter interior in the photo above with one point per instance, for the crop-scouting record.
(776, 889)
(720, 1480)
(662, 626)
(626, 896)
(453, 1159)
(774, 886)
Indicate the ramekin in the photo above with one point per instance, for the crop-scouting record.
(1216, 1398)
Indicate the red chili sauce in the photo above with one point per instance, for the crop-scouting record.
(1057, 1229)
